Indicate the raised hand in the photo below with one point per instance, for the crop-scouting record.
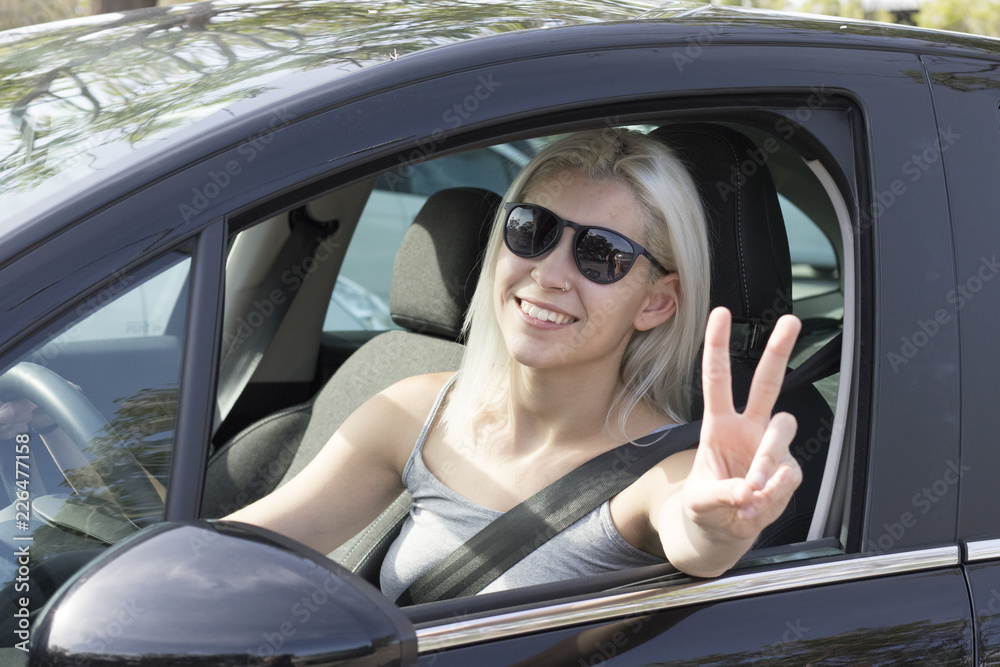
(743, 474)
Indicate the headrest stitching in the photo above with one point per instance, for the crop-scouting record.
(739, 220)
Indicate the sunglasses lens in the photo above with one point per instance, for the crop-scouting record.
(603, 256)
(530, 231)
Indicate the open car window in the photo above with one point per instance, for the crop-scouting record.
(373, 216)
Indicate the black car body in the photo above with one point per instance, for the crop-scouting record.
(140, 144)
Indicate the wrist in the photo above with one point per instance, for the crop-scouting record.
(699, 546)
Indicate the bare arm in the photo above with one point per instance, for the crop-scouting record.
(357, 473)
(712, 503)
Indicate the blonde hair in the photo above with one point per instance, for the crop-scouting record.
(657, 364)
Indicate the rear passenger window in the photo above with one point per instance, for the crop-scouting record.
(814, 262)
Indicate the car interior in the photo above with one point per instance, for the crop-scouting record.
(333, 300)
(755, 274)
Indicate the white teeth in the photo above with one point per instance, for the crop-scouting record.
(541, 314)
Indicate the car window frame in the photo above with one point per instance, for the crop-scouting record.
(759, 113)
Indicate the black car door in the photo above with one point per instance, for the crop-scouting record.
(882, 580)
(967, 95)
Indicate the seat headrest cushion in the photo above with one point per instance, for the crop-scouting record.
(438, 263)
(751, 269)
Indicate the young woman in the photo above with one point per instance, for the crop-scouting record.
(582, 334)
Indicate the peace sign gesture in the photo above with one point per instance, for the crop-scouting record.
(743, 474)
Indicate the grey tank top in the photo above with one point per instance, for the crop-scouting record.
(441, 520)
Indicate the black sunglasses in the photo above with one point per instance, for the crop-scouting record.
(602, 255)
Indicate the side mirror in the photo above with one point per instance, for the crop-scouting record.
(200, 593)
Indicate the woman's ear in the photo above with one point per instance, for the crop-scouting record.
(661, 304)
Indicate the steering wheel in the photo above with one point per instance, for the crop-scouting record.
(90, 432)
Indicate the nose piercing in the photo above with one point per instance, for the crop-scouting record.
(565, 286)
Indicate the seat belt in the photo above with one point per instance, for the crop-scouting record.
(493, 550)
(245, 353)
(821, 364)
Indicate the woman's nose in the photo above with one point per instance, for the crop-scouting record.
(554, 269)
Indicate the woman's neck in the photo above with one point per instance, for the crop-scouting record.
(561, 407)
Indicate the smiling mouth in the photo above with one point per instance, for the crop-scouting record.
(531, 310)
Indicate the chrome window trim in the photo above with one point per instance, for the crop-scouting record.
(982, 550)
(617, 605)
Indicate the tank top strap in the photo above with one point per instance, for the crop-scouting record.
(419, 444)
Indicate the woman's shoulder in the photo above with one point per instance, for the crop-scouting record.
(392, 420)
(406, 400)
(418, 392)
(412, 397)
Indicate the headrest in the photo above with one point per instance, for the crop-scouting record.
(438, 263)
(751, 268)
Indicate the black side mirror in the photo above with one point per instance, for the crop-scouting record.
(200, 593)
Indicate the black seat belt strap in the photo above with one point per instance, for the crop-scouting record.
(522, 529)
(823, 363)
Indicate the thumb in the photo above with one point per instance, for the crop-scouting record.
(710, 496)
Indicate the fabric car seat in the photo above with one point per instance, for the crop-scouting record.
(434, 276)
(752, 277)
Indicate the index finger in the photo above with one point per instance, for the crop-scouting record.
(770, 372)
(716, 376)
